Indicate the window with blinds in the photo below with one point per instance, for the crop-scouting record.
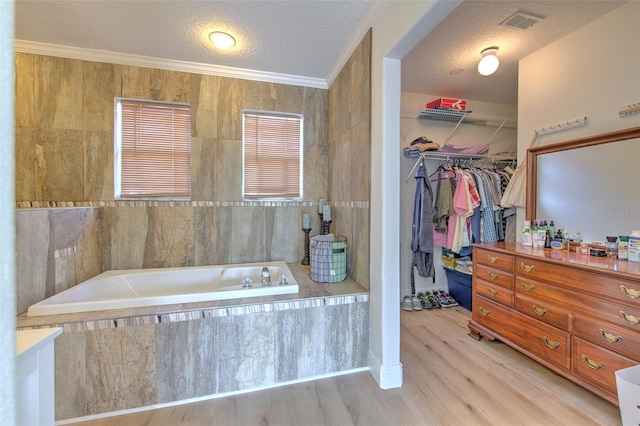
(272, 155)
(152, 149)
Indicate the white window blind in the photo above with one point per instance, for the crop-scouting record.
(272, 155)
(153, 149)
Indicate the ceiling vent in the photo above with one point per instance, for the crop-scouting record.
(521, 20)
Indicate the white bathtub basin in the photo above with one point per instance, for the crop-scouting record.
(166, 286)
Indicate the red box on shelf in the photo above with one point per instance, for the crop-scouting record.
(459, 104)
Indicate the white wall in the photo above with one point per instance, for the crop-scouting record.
(399, 27)
(438, 131)
(7, 222)
(592, 72)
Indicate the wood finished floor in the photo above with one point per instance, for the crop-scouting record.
(449, 379)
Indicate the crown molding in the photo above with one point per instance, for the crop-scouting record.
(358, 34)
(47, 49)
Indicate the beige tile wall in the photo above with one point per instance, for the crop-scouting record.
(55, 250)
(350, 157)
(64, 153)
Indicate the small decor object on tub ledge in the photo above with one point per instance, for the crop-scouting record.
(328, 258)
(305, 259)
(326, 219)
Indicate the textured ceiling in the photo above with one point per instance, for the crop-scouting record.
(308, 39)
(475, 25)
(302, 38)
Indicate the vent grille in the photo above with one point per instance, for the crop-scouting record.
(521, 20)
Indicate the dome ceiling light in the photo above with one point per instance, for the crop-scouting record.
(489, 62)
(222, 40)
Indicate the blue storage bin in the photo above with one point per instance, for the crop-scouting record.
(459, 287)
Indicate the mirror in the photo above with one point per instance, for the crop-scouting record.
(592, 183)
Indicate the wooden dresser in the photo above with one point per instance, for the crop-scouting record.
(576, 314)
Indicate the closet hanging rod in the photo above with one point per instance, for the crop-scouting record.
(448, 156)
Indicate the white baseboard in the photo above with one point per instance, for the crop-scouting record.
(387, 376)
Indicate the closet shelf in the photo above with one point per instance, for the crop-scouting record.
(467, 118)
(458, 117)
(444, 156)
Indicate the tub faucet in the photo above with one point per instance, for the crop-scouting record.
(266, 276)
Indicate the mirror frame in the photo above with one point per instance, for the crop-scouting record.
(532, 159)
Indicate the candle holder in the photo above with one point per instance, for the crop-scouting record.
(325, 227)
(305, 259)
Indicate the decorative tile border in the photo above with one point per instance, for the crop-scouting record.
(65, 252)
(151, 203)
(79, 327)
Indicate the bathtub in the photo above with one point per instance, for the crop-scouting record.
(166, 286)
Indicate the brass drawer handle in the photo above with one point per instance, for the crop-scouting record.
(492, 292)
(527, 268)
(610, 337)
(634, 294)
(539, 311)
(552, 345)
(592, 364)
(526, 287)
(492, 259)
(484, 311)
(492, 275)
(629, 318)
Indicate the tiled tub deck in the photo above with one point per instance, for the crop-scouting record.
(130, 358)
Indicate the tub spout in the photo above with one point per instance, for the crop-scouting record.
(266, 276)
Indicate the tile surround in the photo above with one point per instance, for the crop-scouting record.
(115, 360)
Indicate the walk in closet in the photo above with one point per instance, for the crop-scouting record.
(487, 125)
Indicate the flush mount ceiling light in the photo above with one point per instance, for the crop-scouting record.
(489, 62)
(222, 40)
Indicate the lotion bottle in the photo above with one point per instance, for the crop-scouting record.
(526, 238)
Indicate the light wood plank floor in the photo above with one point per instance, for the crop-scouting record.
(450, 379)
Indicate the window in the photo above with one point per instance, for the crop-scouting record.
(272, 155)
(152, 149)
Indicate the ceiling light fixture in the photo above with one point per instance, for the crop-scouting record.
(222, 40)
(489, 62)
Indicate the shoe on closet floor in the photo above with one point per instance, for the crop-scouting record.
(445, 302)
(426, 303)
(452, 301)
(407, 304)
(433, 299)
(445, 299)
(417, 305)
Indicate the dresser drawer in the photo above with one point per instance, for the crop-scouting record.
(493, 276)
(626, 315)
(623, 315)
(493, 259)
(607, 335)
(581, 281)
(543, 311)
(543, 340)
(541, 291)
(598, 365)
(495, 293)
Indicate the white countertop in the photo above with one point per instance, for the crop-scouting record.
(30, 340)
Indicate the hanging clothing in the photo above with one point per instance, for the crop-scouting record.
(422, 232)
(516, 191)
(444, 203)
(474, 212)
